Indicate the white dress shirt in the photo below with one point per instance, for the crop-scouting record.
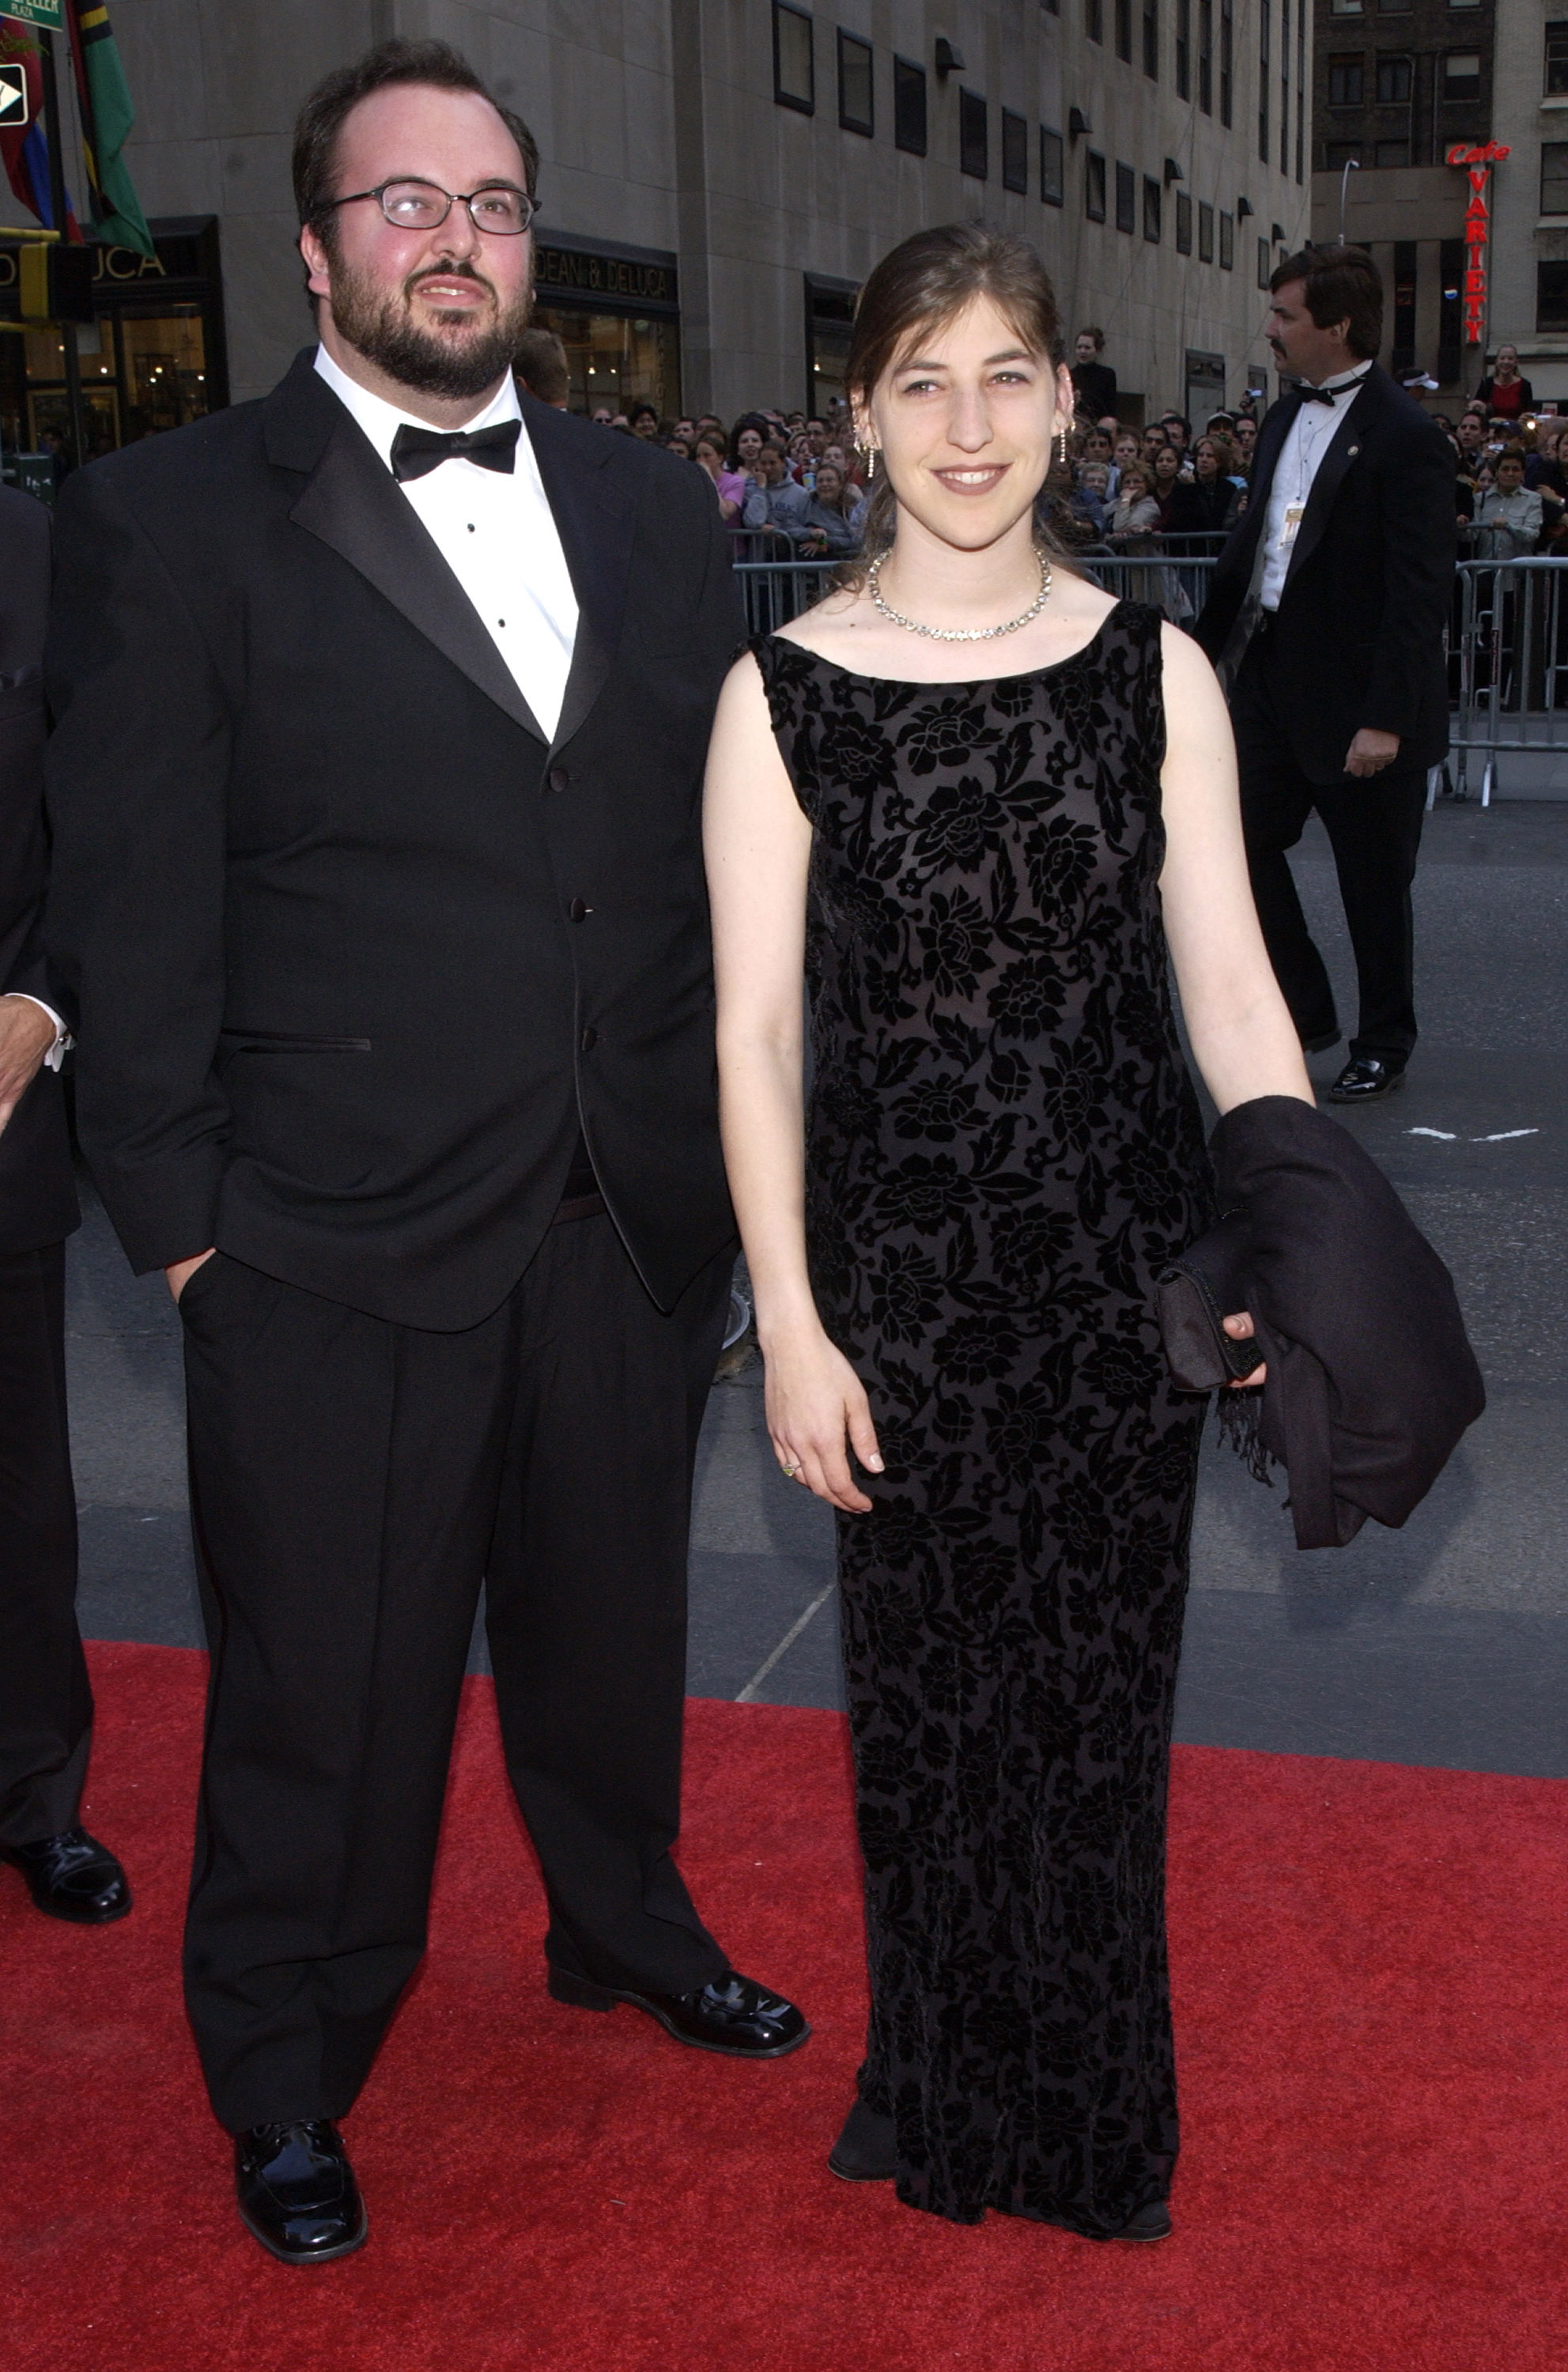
(496, 532)
(1307, 438)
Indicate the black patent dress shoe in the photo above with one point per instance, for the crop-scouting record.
(732, 2014)
(868, 2149)
(1150, 2223)
(72, 1877)
(1364, 1079)
(297, 2191)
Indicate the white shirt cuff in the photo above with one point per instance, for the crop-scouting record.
(63, 1040)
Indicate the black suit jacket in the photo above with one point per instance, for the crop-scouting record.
(1358, 639)
(38, 1194)
(353, 950)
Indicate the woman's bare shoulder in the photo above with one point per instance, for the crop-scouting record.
(832, 625)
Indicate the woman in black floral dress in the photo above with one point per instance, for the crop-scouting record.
(954, 1272)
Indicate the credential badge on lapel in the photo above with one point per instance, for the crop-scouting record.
(1351, 452)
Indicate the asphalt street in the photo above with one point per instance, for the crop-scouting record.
(1445, 1643)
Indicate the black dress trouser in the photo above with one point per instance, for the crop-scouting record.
(353, 1480)
(46, 1706)
(1373, 828)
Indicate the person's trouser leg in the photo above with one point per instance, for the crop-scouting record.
(45, 1704)
(1276, 800)
(1375, 828)
(344, 1473)
(586, 1598)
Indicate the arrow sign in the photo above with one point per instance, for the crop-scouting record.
(13, 98)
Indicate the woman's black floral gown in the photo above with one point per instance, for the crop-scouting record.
(1004, 1147)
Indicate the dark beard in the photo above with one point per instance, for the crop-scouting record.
(380, 328)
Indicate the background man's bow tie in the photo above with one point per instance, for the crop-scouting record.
(416, 451)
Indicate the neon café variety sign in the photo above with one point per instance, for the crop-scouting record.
(1478, 164)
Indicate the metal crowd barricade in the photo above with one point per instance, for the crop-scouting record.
(776, 587)
(1508, 665)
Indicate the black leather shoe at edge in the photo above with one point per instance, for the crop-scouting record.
(72, 1877)
(297, 2191)
(1363, 1080)
(868, 2148)
(733, 2014)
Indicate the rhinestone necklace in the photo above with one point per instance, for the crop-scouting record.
(958, 634)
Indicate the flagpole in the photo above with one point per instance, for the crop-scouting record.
(79, 439)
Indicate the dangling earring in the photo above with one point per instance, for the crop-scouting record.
(871, 453)
(1062, 448)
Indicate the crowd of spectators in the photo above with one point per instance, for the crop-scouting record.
(789, 479)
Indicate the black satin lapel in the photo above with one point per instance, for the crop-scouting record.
(594, 520)
(353, 503)
(1330, 475)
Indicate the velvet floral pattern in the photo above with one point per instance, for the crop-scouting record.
(1004, 1148)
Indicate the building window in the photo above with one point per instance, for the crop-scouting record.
(1464, 3)
(854, 85)
(1264, 263)
(1124, 30)
(1353, 7)
(1152, 40)
(1301, 90)
(1227, 242)
(1205, 233)
(1557, 57)
(1152, 194)
(1183, 223)
(1393, 82)
(1337, 154)
(1094, 186)
(1461, 75)
(1015, 152)
(1052, 167)
(1391, 153)
(1227, 56)
(1551, 296)
(1264, 80)
(794, 70)
(1094, 19)
(1126, 198)
(1206, 55)
(974, 143)
(909, 107)
(1394, 7)
(1183, 49)
(1554, 176)
(1346, 78)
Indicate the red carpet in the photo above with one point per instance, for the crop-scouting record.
(1370, 1968)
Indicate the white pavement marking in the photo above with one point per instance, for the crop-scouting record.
(1504, 1135)
(1448, 1136)
(748, 1693)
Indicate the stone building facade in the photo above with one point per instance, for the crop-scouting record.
(1527, 291)
(1397, 85)
(719, 176)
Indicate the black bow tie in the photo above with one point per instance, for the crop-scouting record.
(1326, 394)
(417, 451)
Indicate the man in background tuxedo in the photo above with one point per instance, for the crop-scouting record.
(1326, 618)
(46, 1706)
(382, 711)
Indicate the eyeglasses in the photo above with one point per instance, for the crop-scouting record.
(499, 208)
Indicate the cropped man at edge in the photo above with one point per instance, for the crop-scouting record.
(46, 1706)
(383, 709)
(1326, 619)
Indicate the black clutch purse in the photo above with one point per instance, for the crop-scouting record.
(1207, 1283)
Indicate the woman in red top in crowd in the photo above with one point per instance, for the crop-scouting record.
(1505, 395)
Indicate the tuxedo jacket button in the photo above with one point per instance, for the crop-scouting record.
(557, 779)
(578, 908)
(589, 1041)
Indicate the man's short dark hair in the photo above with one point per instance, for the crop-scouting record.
(540, 362)
(1089, 331)
(322, 117)
(1343, 284)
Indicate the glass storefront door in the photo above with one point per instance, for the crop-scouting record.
(617, 359)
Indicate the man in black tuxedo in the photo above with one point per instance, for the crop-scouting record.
(1326, 618)
(45, 1704)
(382, 710)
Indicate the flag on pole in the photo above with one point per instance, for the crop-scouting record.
(26, 152)
(103, 97)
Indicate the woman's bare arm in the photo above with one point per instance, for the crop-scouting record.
(1242, 1035)
(759, 846)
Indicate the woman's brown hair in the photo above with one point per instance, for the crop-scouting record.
(924, 284)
